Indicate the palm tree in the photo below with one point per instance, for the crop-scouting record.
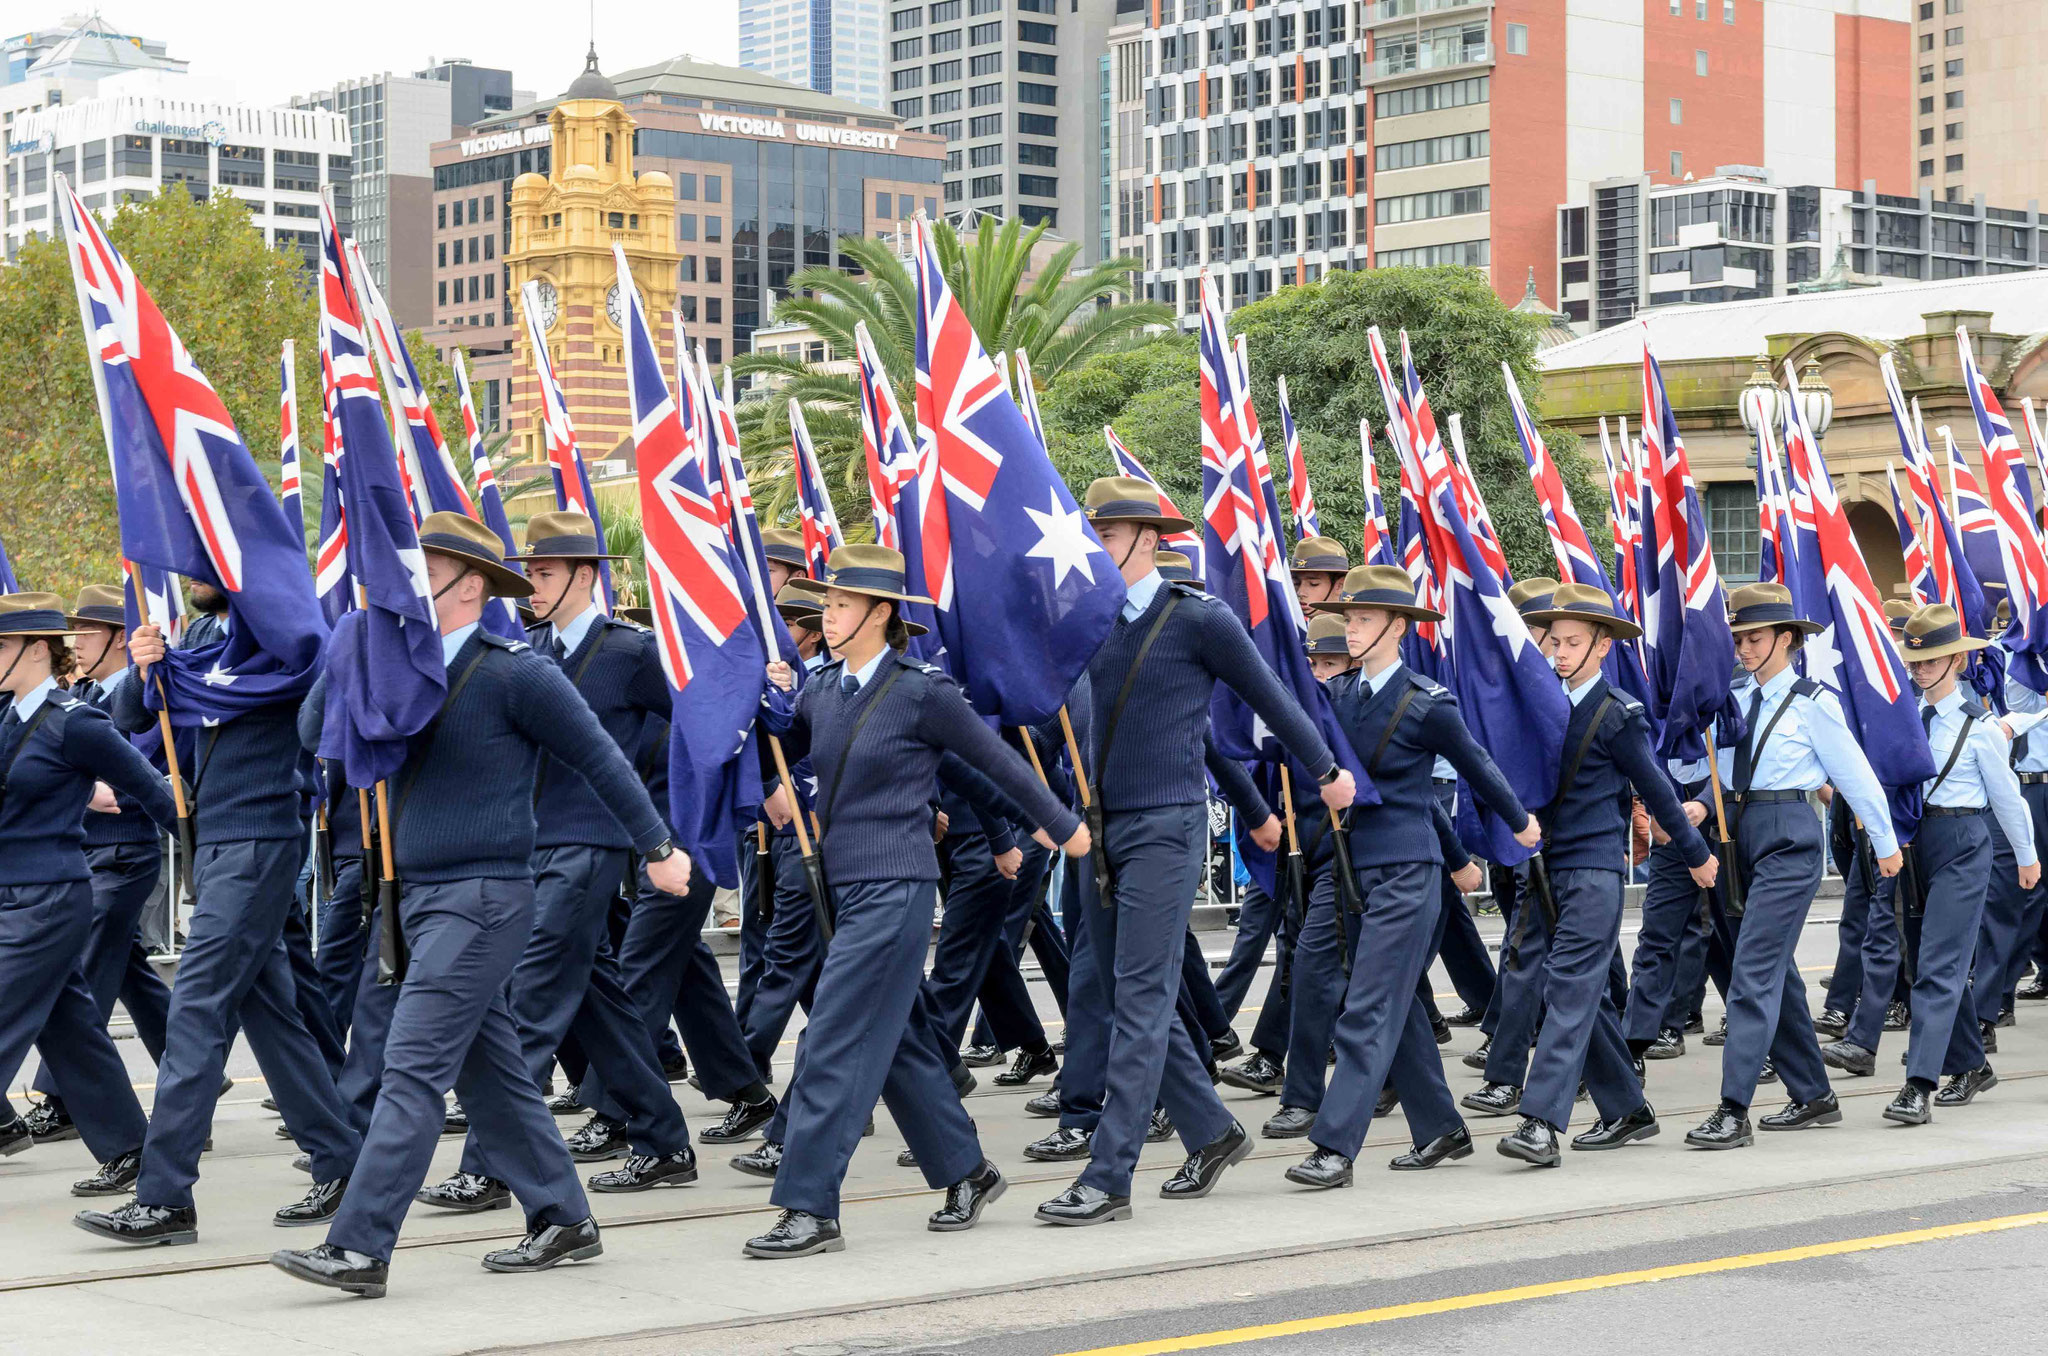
(1062, 319)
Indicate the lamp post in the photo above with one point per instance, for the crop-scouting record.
(1759, 406)
(1816, 400)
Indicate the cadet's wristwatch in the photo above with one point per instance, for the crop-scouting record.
(661, 851)
(1336, 771)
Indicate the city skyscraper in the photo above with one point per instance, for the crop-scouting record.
(831, 46)
(1976, 90)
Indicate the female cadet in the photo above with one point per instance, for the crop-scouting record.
(53, 747)
(876, 724)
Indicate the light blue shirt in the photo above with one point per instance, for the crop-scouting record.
(2026, 712)
(572, 635)
(26, 706)
(1810, 745)
(867, 670)
(815, 662)
(1981, 775)
(1377, 681)
(1139, 596)
(451, 643)
(1575, 695)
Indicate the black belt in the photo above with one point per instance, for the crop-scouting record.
(1767, 797)
(1443, 781)
(1951, 811)
(2033, 778)
(1692, 790)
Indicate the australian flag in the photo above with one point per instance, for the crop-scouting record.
(2019, 535)
(815, 516)
(565, 457)
(1301, 499)
(900, 492)
(1027, 397)
(1913, 546)
(744, 531)
(1773, 513)
(436, 488)
(1376, 547)
(710, 654)
(998, 524)
(502, 616)
(190, 496)
(289, 492)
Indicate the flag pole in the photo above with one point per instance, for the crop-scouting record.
(1091, 813)
(1296, 876)
(1731, 886)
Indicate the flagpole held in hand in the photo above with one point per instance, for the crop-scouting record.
(1297, 877)
(182, 884)
(1098, 851)
(764, 877)
(1731, 870)
(391, 949)
(814, 868)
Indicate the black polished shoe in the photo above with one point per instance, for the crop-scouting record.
(1822, 1110)
(1260, 1074)
(1669, 1044)
(1638, 1124)
(965, 1200)
(1897, 1017)
(645, 1172)
(1987, 1034)
(599, 1139)
(1045, 1106)
(1718, 1036)
(1080, 1204)
(1724, 1128)
(1064, 1145)
(1388, 1100)
(2035, 989)
(455, 1121)
(116, 1176)
(1457, 1144)
(906, 1158)
(547, 1246)
(1831, 1022)
(963, 1080)
(2006, 1018)
(1963, 1087)
(982, 1056)
(565, 1104)
(1476, 1059)
(270, 1104)
(1289, 1122)
(1494, 1099)
(303, 1163)
(1533, 1141)
(142, 1225)
(336, 1268)
(1466, 1016)
(1911, 1107)
(466, 1193)
(742, 1121)
(1440, 1028)
(765, 1161)
(49, 1123)
(1769, 1072)
(1198, 1176)
(317, 1206)
(1695, 1025)
(1226, 1046)
(1323, 1170)
(1849, 1057)
(1027, 1065)
(15, 1136)
(676, 1069)
(1160, 1129)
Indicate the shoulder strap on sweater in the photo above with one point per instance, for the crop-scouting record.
(1131, 678)
(839, 768)
(427, 743)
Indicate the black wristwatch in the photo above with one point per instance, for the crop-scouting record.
(661, 851)
(1336, 771)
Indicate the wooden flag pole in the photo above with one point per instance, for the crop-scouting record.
(1031, 751)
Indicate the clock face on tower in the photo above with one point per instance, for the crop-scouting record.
(550, 304)
(615, 307)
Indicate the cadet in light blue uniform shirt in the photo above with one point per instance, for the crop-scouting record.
(2012, 916)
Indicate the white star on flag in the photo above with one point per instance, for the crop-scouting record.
(217, 676)
(1063, 539)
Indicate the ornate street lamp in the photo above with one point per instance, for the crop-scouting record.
(1759, 405)
(1816, 400)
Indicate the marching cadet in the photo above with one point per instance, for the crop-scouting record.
(1152, 801)
(1572, 915)
(1795, 740)
(1952, 858)
(124, 851)
(462, 829)
(569, 981)
(2012, 916)
(53, 747)
(876, 725)
(1396, 857)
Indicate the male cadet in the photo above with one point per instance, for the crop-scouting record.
(1572, 915)
(462, 826)
(1397, 857)
(2012, 916)
(1953, 860)
(249, 846)
(567, 980)
(1317, 566)
(1154, 811)
(1795, 741)
(125, 853)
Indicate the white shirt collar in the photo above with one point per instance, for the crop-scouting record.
(25, 707)
(451, 643)
(1139, 596)
(572, 634)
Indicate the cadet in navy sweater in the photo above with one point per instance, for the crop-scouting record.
(1585, 843)
(1145, 763)
(876, 725)
(52, 749)
(1407, 721)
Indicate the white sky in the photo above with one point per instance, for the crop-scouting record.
(270, 51)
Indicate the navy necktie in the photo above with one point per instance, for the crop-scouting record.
(1927, 720)
(1747, 750)
(561, 650)
(849, 685)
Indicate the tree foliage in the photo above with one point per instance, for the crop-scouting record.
(232, 300)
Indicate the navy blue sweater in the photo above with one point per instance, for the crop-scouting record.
(467, 808)
(1157, 758)
(132, 825)
(1588, 824)
(1400, 828)
(618, 673)
(878, 826)
(49, 771)
(244, 773)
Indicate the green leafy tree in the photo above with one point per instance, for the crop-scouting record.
(232, 300)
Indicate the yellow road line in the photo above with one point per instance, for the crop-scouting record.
(1576, 1286)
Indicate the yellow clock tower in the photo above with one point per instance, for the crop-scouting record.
(563, 229)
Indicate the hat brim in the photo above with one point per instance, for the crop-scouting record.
(1319, 569)
(639, 616)
(525, 556)
(1164, 524)
(820, 587)
(1804, 627)
(504, 582)
(1414, 611)
(1963, 646)
(807, 617)
(38, 635)
(1621, 628)
(77, 620)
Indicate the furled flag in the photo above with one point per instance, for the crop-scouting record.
(749, 554)
(1423, 650)
(2038, 437)
(1126, 463)
(565, 457)
(331, 582)
(429, 466)
(998, 522)
(288, 490)
(1868, 675)
(1376, 547)
(1913, 546)
(2019, 533)
(1507, 691)
(896, 492)
(1621, 502)
(191, 498)
(815, 516)
(488, 503)
(1982, 544)
(1688, 650)
(1300, 498)
(1773, 514)
(710, 654)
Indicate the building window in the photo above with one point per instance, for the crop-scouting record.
(441, 213)
(981, 96)
(1038, 185)
(906, 18)
(1518, 39)
(1029, 92)
(1465, 253)
(985, 125)
(1927, 136)
(1045, 35)
(1926, 9)
(1927, 75)
(945, 101)
(944, 72)
(1699, 10)
(1732, 526)
(1952, 132)
(1449, 202)
(1677, 112)
(1699, 62)
(948, 41)
(983, 156)
(1953, 70)
(1926, 104)
(1926, 168)
(1678, 164)
(987, 63)
(1727, 11)
(1926, 42)
(981, 34)
(1952, 37)
(1952, 164)
(906, 49)
(1952, 99)
(987, 186)
(945, 11)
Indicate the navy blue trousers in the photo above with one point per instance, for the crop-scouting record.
(790, 959)
(1780, 846)
(1457, 940)
(451, 1027)
(1315, 991)
(234, 970)
(309, 993)
(45, 1003)
(363, 1071)
(1581, 1035)
(1657, 989)
(343, 944)
(1258, 922)
(1845, 985)
(1383, 1031)
(2007, 910)
(1879, 962)
(1956, 862)
(869, 1036)
(752, 925)
(1506, 883)
(568, 982)
(115, 965)
(1008, 1018)
(1521, 991)
(971, 931)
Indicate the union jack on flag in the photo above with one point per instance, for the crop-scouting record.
(1776, 563)
(1126, 462)
(490, 505)
(1377, 548)
(815, 517)
(2019, 534)
(1954, 582)
(1300, 498)
(1913, 546)
(1621, 505)
(898, 490)
(288, 491)
(565, 457)
(430, 472)
(1982, 544)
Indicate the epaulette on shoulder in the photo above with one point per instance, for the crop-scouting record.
(1629, 705)
(1426, 683)
(1807, 687)
(67, 702)
(502, 643)
(1187, 588)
